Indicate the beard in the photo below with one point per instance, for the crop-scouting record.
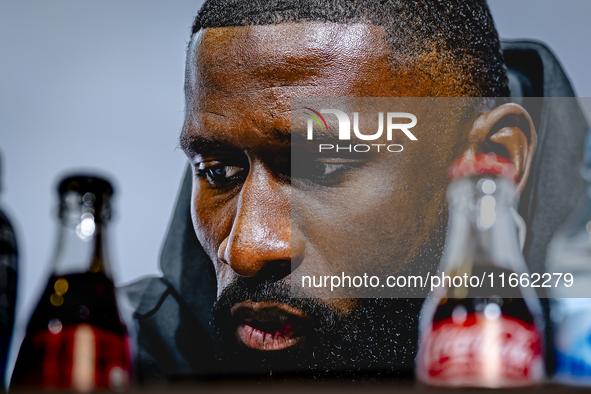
(378, 337)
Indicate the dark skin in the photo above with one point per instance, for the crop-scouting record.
(237, 136)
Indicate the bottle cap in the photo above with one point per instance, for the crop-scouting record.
(483, 164)
(83, 184)
(93, 194)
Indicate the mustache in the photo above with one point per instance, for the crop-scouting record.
(323, 321)
(243, 289)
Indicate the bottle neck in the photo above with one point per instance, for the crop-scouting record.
(482, 230)
(82, 240)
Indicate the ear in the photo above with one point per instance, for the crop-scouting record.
(507, 131)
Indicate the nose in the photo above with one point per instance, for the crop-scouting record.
(260, 241)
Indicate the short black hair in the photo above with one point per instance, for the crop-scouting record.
(454, 38)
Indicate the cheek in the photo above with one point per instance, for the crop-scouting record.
(355, 230)
(343, 306)
(224, 275)
(212, 220)
(374, 224)
(213, 223)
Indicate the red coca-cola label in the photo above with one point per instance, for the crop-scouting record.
(78, 357)
(501, 352)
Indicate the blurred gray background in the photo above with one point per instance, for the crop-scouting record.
(99, 85)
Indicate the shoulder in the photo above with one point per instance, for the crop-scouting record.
(161, 323)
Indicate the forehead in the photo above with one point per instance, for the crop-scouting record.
(255, 57)
(243, 77)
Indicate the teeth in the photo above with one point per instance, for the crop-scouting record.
(260, 340)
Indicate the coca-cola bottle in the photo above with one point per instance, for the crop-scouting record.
(8, 279)
(483, 329)
(76, 339)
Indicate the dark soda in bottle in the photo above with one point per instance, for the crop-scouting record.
(76, 339)
(479, 328)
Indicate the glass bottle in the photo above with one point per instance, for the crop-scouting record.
(481, 332)
(76, 339)
(569, 255)
(8, 282)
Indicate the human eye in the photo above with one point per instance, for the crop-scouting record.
(219, 174)
(323, 170)
(326, 171)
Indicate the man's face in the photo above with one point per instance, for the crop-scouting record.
(237, 136)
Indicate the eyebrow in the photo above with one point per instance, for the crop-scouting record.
(195, 145)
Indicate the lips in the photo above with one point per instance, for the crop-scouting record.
(268, 326)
